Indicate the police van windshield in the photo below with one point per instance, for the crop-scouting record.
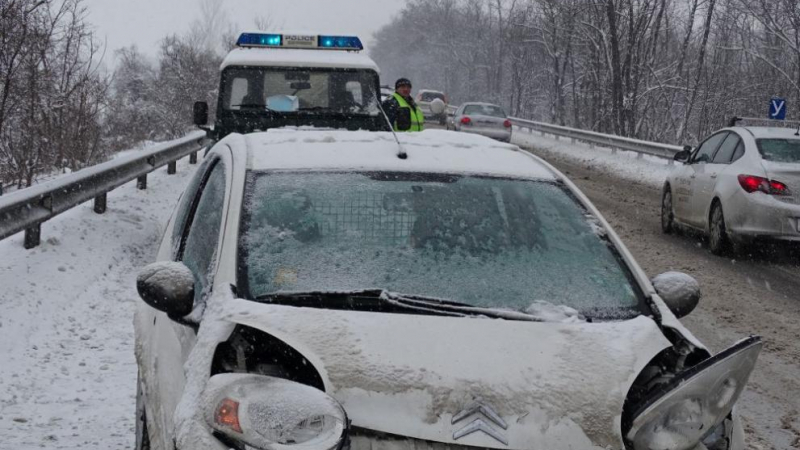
(293, 90)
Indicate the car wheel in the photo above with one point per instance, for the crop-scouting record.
(718, 239)
(142, 436)
(667, 215)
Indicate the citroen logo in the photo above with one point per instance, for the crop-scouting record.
(485, 420)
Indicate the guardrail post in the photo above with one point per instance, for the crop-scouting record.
(639, 155)
(572, 140)
(33, 236)
(591, 145)
(141, 182)
(193, 158)
(172, 168)
(671, 162)
(100, 203)
(613, 150)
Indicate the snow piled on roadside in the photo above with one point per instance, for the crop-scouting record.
(650, 170)
(66, 334)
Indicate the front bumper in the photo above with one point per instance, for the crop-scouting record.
(757, 215)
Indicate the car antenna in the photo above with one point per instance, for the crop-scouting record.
(401, 151)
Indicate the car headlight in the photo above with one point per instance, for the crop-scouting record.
(695, 402)
(273, 414)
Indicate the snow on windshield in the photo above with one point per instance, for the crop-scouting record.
(487, 242)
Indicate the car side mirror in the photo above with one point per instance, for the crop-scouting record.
(683, 155)
(167, 286)
(200, 111)
(679, 291)
(437, 106)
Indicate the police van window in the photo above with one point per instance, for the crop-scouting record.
(707, 148)
(238, 92)
(723, 155)
(289, 90)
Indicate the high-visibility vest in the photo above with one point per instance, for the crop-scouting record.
(417, 119)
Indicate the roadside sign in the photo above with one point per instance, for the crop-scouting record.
(777, 109)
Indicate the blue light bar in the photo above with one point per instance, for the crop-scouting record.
(341, 42)
(259, 40)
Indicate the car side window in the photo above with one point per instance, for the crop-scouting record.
(706, 150)
(739, 152)
(200, 244)
(725, 152)
(187, 201)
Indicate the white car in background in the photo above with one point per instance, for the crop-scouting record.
(326, 290)
(424, 99)
(739, 185)
(485, 119)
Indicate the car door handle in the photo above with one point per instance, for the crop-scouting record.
(714, 176)
(692, 176)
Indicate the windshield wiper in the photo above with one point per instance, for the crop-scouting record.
(420, 304)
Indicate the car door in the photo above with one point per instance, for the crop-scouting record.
(196, 235)
(705, 181)
(689, 186)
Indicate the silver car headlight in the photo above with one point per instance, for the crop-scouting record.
(696, 402)
(273, 414)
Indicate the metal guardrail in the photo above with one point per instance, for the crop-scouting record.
(604, 140)
(28, 208)
(594, 138)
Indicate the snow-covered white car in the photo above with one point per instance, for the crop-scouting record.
(325, 290)
(740, 184)
(425, 97)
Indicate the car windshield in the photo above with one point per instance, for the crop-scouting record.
(292, 90)
(485, 110)
(780, 150)
(486, 242)
(431, 96)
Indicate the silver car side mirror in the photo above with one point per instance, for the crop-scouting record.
(437, 106)
(167, 286)
(679, 291)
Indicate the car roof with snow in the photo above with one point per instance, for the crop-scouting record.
(769, 132)
(430, 151)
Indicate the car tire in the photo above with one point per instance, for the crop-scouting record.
(142, 436)
(667, 212)
(718, 239)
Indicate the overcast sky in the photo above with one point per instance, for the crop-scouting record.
(145, 22)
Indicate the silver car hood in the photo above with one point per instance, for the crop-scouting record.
(541, 385)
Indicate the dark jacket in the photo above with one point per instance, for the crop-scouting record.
(391, 107)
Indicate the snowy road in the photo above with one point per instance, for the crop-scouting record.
(753, 295)
(68, 375)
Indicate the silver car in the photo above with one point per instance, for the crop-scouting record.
(482, 118)
(740, 184)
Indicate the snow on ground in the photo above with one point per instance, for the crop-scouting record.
(68, 375)
(627, 165)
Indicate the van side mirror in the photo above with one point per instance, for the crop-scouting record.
(679, 291)
(200, 112)
(167, 286)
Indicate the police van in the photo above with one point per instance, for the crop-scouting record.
(278, 80)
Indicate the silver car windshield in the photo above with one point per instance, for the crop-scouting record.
(488, 242)
(780, 150)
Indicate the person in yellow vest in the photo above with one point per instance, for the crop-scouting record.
(402, 111)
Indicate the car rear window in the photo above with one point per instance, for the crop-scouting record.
(431, 96)
(491, 242)
(485, 110)
(780, 150)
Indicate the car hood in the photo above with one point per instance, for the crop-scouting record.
(541, 385)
